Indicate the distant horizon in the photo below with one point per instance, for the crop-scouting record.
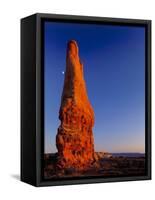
(113, 58)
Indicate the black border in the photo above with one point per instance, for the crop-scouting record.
(41, 18)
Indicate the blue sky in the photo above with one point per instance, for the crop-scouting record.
(114, 71)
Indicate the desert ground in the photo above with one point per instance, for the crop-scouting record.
(105, 166)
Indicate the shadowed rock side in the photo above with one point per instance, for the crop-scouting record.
(74, 140)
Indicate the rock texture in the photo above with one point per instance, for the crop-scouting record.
(74, 140)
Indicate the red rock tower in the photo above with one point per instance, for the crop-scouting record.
(74, 140)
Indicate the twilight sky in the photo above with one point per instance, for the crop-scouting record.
(114, 71)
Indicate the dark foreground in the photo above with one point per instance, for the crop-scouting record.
(105, 166)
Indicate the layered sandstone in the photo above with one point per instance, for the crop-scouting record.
(74, 140)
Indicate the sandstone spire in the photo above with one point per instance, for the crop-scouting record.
(74, 139)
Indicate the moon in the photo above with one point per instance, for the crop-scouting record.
(63, 72)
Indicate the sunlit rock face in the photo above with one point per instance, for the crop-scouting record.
(74, 140)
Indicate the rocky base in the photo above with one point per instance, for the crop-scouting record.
(105, 165)
(74, 139)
